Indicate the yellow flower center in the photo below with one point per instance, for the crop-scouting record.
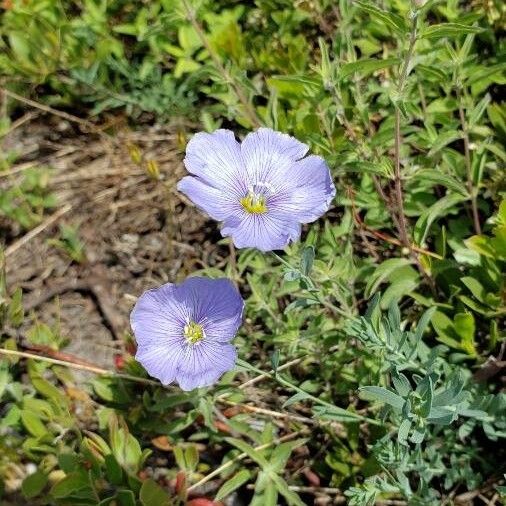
(193, 332)
(254, 204)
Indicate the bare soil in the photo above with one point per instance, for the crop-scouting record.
(137, 230)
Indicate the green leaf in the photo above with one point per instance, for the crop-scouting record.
(33, 484)
(437, 210)
(113, 470)
(282, 452)
(232, 484)
(151, 493)
(383, 395)
(253, 454)
(476, 288)
(403, 432)
(440, 178)
(366, 66)
(382, 272)
(291, 497)
(307, 259)
(126, 498)
(442, 140)
(72, 483)
(33, 424)
(465, 327)
(299, 396)
(448, 30)
(394, 21)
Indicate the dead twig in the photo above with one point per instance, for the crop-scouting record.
(73, 365)
(62, 114)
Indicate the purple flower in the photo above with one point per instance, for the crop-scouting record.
(183, 332)
(262, 189)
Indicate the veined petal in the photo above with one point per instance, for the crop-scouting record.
(160, 361)
(308, 192)
(216, 305)
(216, 159)
(157, 317)
(266, 232)
(268, 155)
(204, 364)
(218, 204)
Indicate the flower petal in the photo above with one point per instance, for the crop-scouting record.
(204, 364)
(268, 155)
(216, 305)
(160, 361)
(216, 159)
(266, 232)
(307, 193)
(158, 318)
(215, 202)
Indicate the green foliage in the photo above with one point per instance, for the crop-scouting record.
(25, 200)
(404, 401)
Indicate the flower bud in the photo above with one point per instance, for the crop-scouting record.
(153, 170)
(419, 3)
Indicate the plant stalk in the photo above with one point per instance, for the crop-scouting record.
(467, 158)
(399, 197)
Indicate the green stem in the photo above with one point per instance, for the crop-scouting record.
(316, 400)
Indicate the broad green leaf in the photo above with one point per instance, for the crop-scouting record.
(394, 21)
(383, 395)
(403, 432)
(465, 327)
(151, 493)
(33, 484)
(437, 210)
(366, 66)
(33, 424)
(382, 272)
(232, 484)
(476, 288)
(307, 259)
(72, 483)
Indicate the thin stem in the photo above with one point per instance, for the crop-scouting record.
(248, 109)
(282, 381)
(401, 216)
(82, 367)
(467, 158)
(241, 456)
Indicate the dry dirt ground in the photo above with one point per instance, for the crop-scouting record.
(137, 230)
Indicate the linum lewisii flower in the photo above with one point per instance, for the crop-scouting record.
(183, 332)
(262, 190)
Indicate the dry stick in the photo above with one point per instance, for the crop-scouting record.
(37, 230)
(467, 158)
(241, 456)
(269, 412)
(83, 367)
(385, 237)
(250, 111)
(56, 112)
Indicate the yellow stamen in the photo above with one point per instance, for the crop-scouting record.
(193, 332)
(254, 204)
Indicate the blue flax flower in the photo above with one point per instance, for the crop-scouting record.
(183, 332)
(262, 190)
